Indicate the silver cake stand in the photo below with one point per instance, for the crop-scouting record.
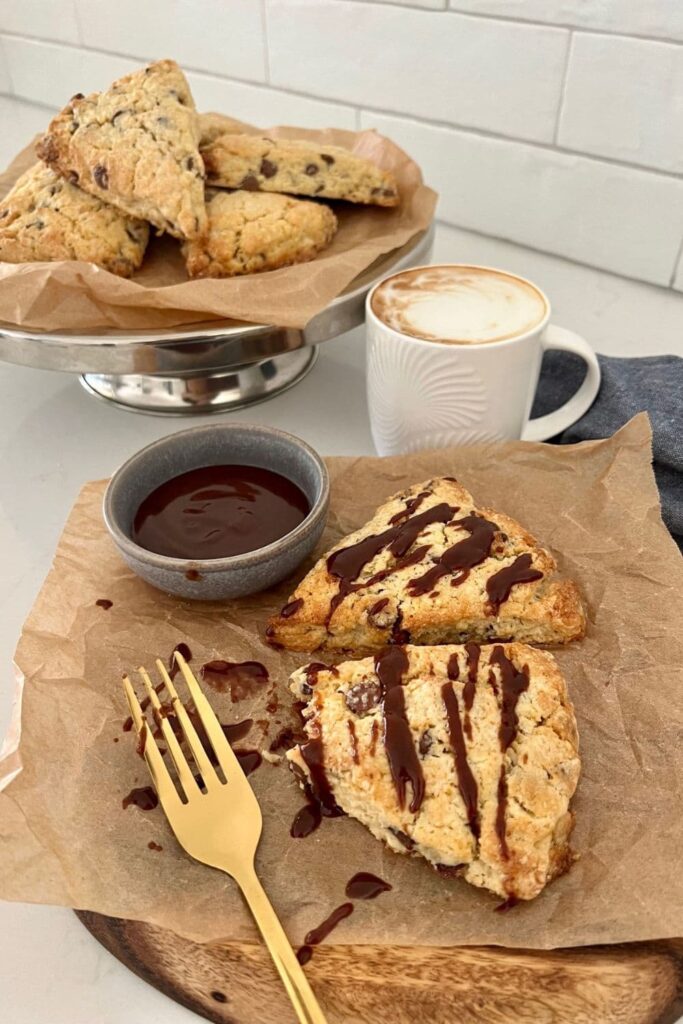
(213, 366)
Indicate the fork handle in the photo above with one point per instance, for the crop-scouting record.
(288, 967)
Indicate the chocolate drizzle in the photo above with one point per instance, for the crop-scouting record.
(466, 782)
(473, 652)
(346, 564)
(313, 754)
(461, 557)
(354, 741)
(404, 763)
(513, 684)
(412, 505)
(499, 585)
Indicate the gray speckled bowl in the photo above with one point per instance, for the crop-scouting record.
(216, 579)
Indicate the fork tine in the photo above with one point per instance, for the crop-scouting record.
(163, 783)
(223, 750)
(206, 769)
(185, 775)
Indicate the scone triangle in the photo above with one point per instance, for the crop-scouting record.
(467, 756)
(431, 568)
(135, 147)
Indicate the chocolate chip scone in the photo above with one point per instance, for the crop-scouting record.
(249, 233)
(43, 217)
(135, 146)
(467, 756)
(431, 567)
(301, 168)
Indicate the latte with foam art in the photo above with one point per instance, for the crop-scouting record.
(459, 305)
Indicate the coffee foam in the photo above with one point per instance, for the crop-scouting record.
(459, 305)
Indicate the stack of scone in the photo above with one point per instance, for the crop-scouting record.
(115, 162)
(456, 741)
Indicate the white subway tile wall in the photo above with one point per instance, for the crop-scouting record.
(555, 124)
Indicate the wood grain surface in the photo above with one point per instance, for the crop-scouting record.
(236, 984)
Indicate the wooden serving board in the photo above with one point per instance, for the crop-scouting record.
(235, 983)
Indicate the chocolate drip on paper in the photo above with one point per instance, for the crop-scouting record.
(404, 763)
(499, 585)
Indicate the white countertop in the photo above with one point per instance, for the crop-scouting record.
(54, 437)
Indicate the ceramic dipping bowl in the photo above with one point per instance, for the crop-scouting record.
(217, 579)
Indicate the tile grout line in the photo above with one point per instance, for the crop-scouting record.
(677, 262)
(266, 42)
(508, 19)
(349, 105)
(563, 90)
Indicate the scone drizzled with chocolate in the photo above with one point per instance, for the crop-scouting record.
(44, 218)
(135, 147)
(431, 567)
(467, 756)
(249, 232)
(302, 168)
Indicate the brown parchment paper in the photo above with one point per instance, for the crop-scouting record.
(71, 295)
(64, 838)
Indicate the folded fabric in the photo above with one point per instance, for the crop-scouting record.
(653, 384)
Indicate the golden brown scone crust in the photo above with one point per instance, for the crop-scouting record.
(540, 766)
(250, 232)
(44, 218)
(544, 611)
(260, 164)
(135, 147)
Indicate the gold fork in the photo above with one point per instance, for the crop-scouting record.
(221, 827)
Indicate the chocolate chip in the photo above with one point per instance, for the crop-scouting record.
(320, 188)
(268, 169)
(73, 177)
(100, 176)
(329, 160)
(189, 163)
(425, 744)
(72, 127)
(163, 121)
(449, 870)
(363, 697)
(306, 690)
(117, 115)
(39, 224)
(403, 838)
(250, 183)
(311, 169)
(77, 96)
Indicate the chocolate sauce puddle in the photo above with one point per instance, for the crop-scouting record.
(499, 585)
(173, 666)
(404, 763)
(143, 797)
(240, 678)
(364, 886)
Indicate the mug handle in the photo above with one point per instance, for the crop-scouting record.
(543, 427)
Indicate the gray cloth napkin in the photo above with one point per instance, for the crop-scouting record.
(653, 384)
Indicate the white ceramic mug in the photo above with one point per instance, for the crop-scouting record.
(430, 394)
